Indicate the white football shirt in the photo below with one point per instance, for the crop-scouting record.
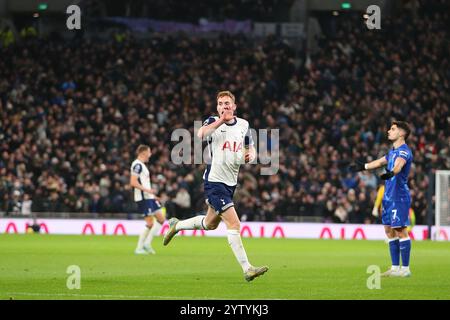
(226, 148)
(139, 169)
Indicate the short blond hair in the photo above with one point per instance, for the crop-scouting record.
(142, 148)
(225, 94)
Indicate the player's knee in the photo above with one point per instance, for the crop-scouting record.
(402, 233)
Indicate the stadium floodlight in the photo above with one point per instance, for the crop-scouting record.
(442, 201)
(346, 5)
(42, 6)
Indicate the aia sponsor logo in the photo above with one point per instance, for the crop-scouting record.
(232, 146)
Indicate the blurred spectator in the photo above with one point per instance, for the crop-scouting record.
(14, 204)
(96, 204)
(340, 214)
(182, 203)
(26, 205)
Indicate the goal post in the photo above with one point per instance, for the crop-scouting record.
(442, 198)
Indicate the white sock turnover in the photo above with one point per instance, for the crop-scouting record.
(194, 223)
(235, 242)
(142, 237)
(153, 232)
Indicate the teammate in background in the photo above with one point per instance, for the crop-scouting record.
(146, 200)
(397, 198)
(412, 220)
(378, 207)
(229, 142)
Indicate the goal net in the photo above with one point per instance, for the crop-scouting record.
(442, 201)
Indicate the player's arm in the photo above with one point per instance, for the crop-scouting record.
(208, 129)
(249, 148)
(250, 153)
(361, 166)
(398, 166)
(376, 164)
(378, 201)
(135, 184)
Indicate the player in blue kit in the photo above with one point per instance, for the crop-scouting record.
(230, 145)
(397, 199)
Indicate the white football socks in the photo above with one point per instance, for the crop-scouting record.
(142, 237)
(234, 238)
(195, 223)
(153, 232)
(235, 242)
(405, 268)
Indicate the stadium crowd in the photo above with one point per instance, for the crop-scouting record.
(72, 114)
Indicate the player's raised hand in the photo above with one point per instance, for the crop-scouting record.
(226, 115)
(357, 166)
(387, 175)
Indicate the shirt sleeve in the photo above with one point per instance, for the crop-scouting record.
(208, 121)
(405, 154)
(136, 170)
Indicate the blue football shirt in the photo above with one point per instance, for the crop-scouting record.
(396, 188)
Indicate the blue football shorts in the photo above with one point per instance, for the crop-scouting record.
(395, 214)
(219, 196)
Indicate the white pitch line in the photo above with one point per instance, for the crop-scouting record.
(37, 294)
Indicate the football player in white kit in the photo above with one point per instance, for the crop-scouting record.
(229, 142)
(146, 200)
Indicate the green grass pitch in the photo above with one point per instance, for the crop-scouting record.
(34, 267)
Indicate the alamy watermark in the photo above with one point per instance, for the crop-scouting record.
(189, 149)
(74, 278)
(374, 280)
(373, 15)
(74, 20)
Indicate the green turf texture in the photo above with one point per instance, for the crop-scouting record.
(34, 267)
